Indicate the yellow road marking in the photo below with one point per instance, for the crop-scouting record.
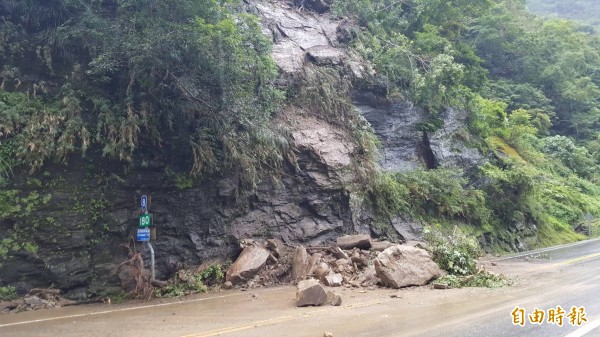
(577, 259)
(273, 321)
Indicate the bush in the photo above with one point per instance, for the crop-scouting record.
(455, 253)
(8, 293)
(190, 282)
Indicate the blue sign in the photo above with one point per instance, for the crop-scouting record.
(144, 203)
(143, 234)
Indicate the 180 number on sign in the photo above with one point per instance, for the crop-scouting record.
(145, 220)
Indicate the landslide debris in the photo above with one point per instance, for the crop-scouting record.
(374, 264)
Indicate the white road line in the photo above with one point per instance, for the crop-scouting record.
(544, 250)
(585, 329)
(125, 309)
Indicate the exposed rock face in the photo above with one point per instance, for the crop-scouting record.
(403, 266)
(408, 229)
(310, 292)
(448, 145)
(295, 32)
(248, 264)
(406, 148)
(361, 241)
(396, 125)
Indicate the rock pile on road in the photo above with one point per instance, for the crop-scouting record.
(36, 299)
(356, 261)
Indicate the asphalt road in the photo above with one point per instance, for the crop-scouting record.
(566, 277)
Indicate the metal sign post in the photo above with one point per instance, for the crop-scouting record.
(144, 232)
(151, 260)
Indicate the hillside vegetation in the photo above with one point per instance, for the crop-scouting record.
(532, 89)
(583, 10)
(191, 84)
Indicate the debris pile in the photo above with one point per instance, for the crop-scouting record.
(355, 261)
(37, 298)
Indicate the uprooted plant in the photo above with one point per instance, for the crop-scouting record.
(457, 254)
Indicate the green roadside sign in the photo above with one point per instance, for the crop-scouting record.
(145, 220)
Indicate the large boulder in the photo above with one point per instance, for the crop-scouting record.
(361, 241)
(403, 266)
(250, 262)
(310, 292)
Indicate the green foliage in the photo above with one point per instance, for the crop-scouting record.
(17, 209)
(486, 116)
(193, 79)
(509, 190)
(443, 194)
(8, 293)
(542, 64)
(39, 131)
(189, 282)
(438, 86)
(455, 252)
(575, 157)
(416, 47)
(483, 280)
(183, 182)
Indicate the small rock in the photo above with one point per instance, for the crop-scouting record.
(33, 300)
(310, 292)
(342, 262)
(272, 259)
(227, 285)
(334, 299)
(361, 241)
(339, 253)
(354, 284)
(380, 246)
(321, 270)
(417, 244)
(333, 280)
(494, 264)
(441, 286)
(276, 247)
(328, 334)
(359, 261)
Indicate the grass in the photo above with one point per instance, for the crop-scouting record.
(498, 144)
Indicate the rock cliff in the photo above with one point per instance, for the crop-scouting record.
(77, 235)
